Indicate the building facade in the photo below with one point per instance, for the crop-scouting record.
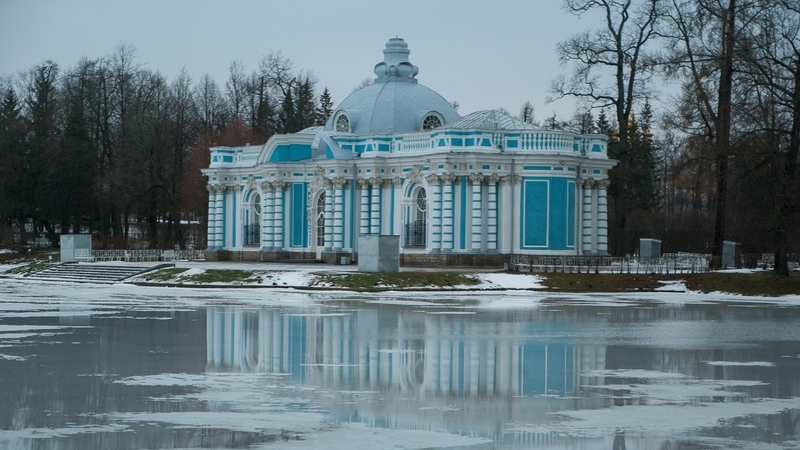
(395, 158)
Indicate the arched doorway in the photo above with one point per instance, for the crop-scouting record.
(319, 228)
(417, 228)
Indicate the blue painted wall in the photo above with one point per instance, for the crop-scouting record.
(299, 214)
(548, 213)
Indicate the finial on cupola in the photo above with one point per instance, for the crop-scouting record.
(395, 61)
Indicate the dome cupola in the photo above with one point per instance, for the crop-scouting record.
(394, 103)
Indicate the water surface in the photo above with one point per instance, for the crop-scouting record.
(86, 367)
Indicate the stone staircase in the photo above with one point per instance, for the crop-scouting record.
(92, 272)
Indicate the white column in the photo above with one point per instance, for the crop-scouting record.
(267, 216)
(447, 212)
(602, 217)
(364, 215)
(338, 213)
(477, 213)
(504, 213)
(586, 232)
(211, 221)
(435, 213)
(491, 212)
(375, 207)
(328, 216)
(387, 190)
(279, 225)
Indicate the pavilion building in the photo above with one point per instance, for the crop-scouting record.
(396, 158)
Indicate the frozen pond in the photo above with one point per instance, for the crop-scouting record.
(95, 367)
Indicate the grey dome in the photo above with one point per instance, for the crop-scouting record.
(395, 102)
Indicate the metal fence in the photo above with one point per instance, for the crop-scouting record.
(416, 234)
(673, 263)
(147, 255)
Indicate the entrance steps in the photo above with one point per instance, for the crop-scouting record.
(92, 272)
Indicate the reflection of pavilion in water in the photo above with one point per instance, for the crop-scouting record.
(445, 372)
(446, 354)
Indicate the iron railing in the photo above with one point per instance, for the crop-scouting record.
(416, 234)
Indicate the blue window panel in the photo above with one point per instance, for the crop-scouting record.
(512, 143)
(596, 148)
(597, 171)
(441, 166)
(228, 159)
(297, 174)
(486, 167)
(299, 214)
(457, 142)
(486, 142)
(535, 167)
(535, 199)
(469, 142)
(571, 206)
(558, 213)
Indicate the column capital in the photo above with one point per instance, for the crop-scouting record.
(448, 178)
(397, 181)
(266, 186)
(433, 179)
(588, 183)
(506, 179)
(476, 178)
(363, 183)
(603, 184)
(279, 184)
(339, 182)
(492, 179)
(375, 181)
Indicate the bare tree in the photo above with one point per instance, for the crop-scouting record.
(610, 69)
(772, 57)
(235, 89)
(703, 37)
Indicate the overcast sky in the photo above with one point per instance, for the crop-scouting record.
(483, 54)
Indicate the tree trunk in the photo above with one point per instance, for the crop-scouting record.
(788, 170)
(723, 133)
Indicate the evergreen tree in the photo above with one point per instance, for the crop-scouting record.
(325, 107)
(287, 117)
(305, 106)
(526, 113)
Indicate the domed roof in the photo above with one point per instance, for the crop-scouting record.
(394, 103)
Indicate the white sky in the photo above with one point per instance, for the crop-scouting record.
(482, 54)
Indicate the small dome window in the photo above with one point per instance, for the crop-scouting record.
(431, 121)
(342, 123)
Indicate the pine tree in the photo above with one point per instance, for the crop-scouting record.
(325, 107)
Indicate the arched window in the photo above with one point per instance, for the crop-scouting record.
(252, 229)
(431, 121)
(341, 123)
(257, 204)
(321, 220)
(417, 229)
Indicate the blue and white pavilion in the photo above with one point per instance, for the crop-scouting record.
(395, 158)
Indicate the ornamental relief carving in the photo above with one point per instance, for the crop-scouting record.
(415, 175)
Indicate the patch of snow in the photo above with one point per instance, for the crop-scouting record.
(735, 363)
